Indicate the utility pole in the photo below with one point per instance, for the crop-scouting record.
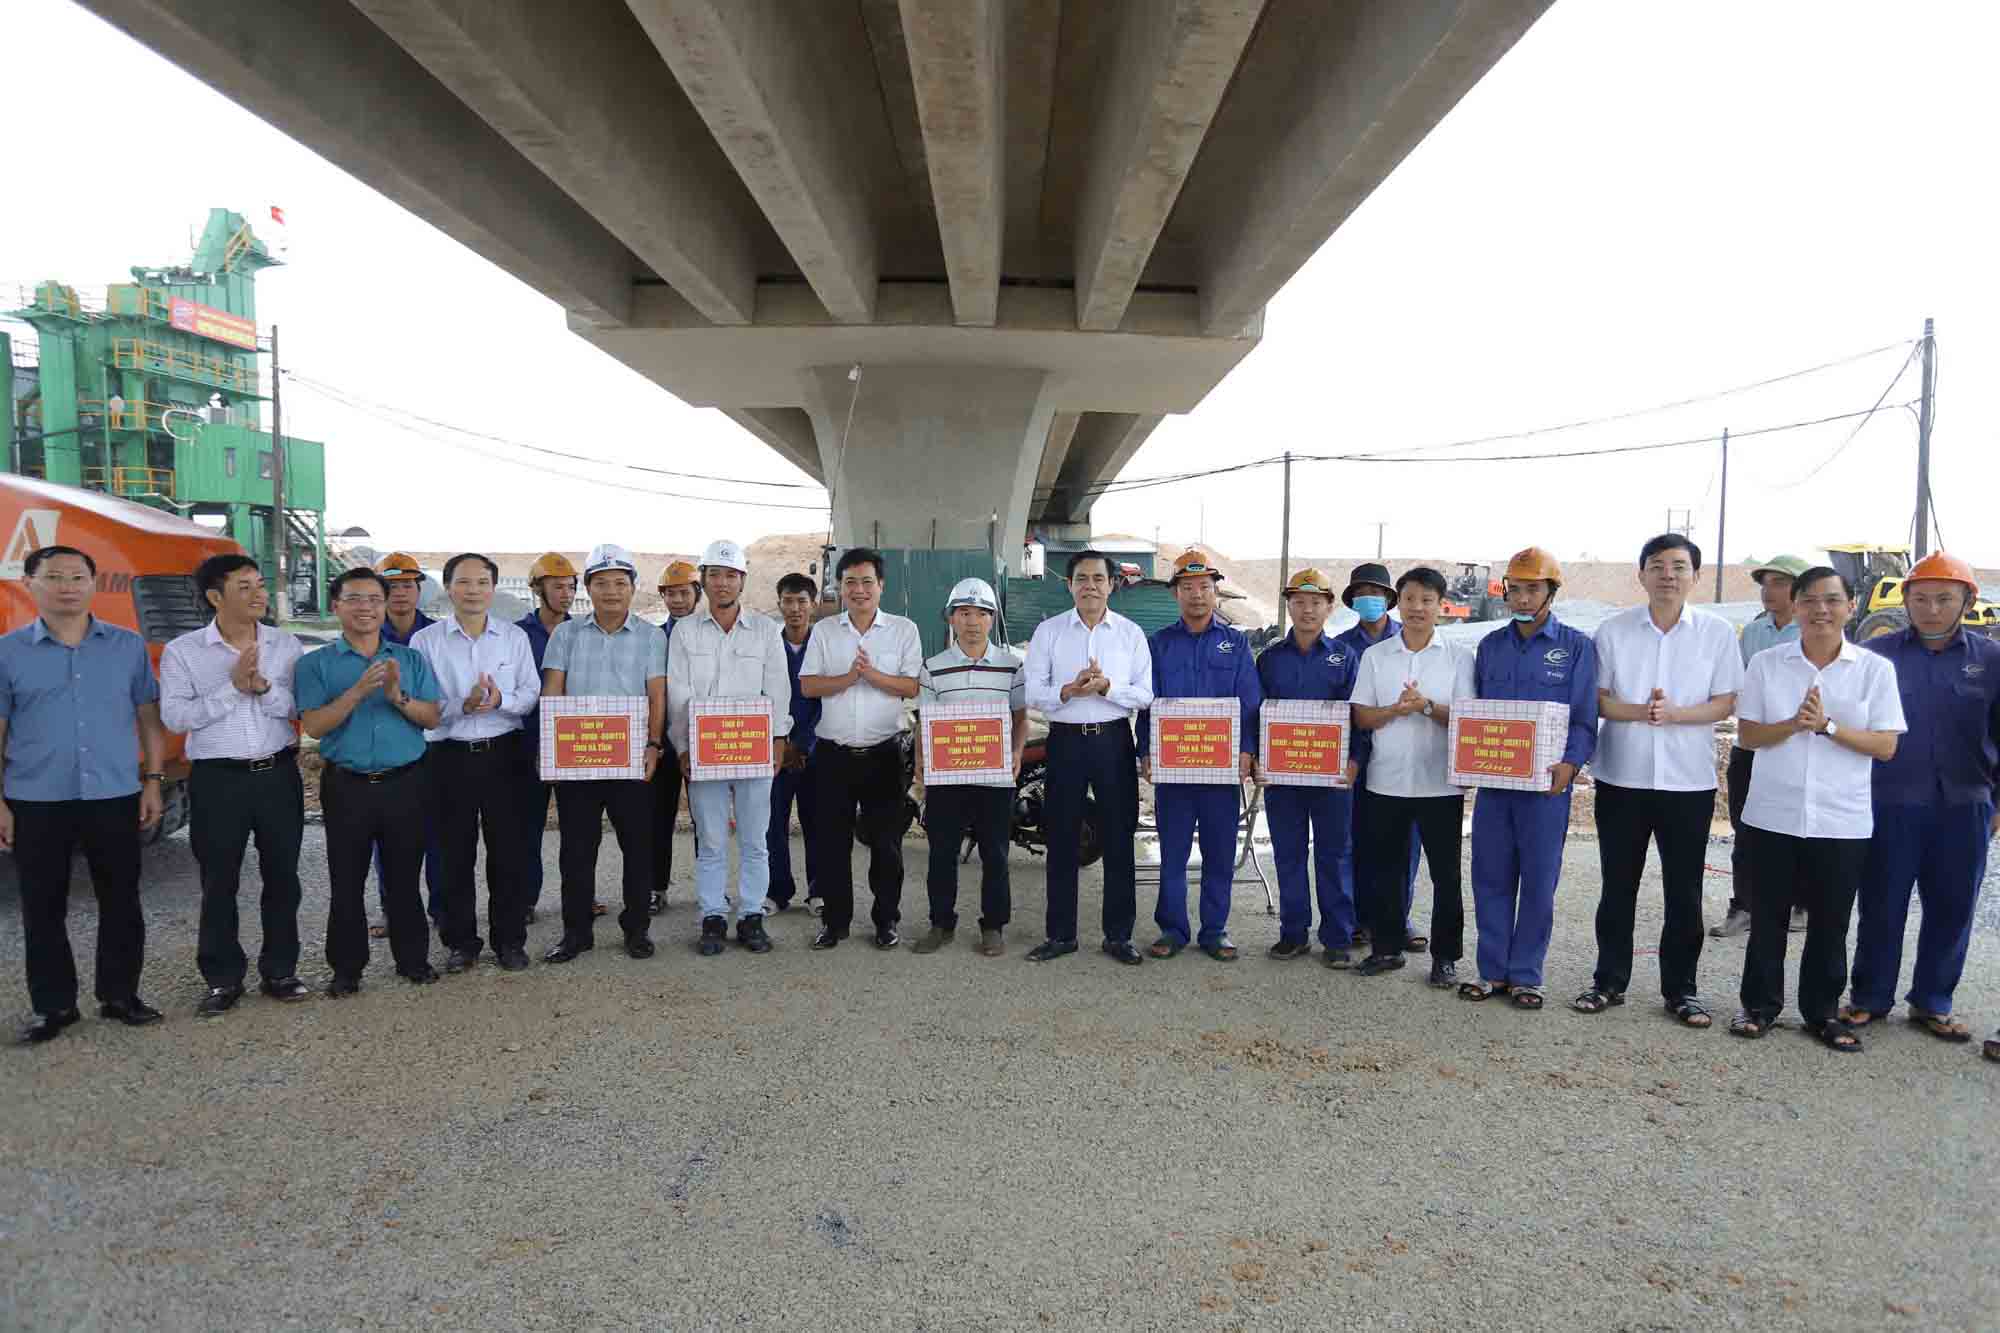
(1285, 545)
(280, 535)
(1380, 527)
(1929, 347)
(1722, 515)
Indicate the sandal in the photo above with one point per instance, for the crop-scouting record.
(1743, 1025)
(1690, 1011)
(598, 909)
(1481, 990)
(1991, 1048)
(1222, 950)
(378, 930)
(1595, 1001)
(1942, 1026)
(1165, 947)
(1527, 997)
(1856, 1017)
(1416, 943)
(1836, 1036)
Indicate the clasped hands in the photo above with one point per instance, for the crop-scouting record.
(1090, 680)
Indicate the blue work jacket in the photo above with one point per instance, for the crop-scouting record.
(805, 712)
(1951, 701)
(1327, 672)
(1215, 664)
(1555, 664)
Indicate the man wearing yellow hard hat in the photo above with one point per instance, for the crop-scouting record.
(552, 584)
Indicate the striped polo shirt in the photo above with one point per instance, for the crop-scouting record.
(950, 677)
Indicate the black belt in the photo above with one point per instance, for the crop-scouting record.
(856, 749)
(488, 745)
(264, 765)
(383, 775)
(1091, 728)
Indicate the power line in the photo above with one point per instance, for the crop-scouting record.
(1841, 448)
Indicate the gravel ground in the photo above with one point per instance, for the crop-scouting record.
(857, 1140)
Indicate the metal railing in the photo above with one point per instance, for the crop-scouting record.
(131, 482)
(144, 354)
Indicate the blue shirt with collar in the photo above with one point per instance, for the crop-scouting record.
(805, 712)
(1556, 664)
(72, 714)
(1285, 671)
(1355, 636)
(375, 736)
(1214, 664)
(421, 620)
(1951, 701)
(538, 640)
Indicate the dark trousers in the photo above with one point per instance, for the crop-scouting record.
(1361, 869)
(535, 796)
(1439, 822)
(361, 816)
(1822, 876)
(1741, 873)
(47, 835)
(1082, 764)
(229, 805)
(859, 790)
(580, 811)
(1628, 820)
(1941, 850)
(788, 787)
(1319, 818)
(950, 813)
(477, 796)
(666, 785)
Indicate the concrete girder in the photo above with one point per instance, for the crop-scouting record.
(787, 430)
(1104, 444)
(1055, 452)
(322, 73)
(790, 93)
(1170, 63)
(957, 56)
(1333, 98)
(579, 91)
(1034, 32)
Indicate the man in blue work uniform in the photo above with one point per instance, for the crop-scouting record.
(1933, 803)
(368, 700)
(1370, 593)
(796, 597)
(1306, 664)
(1199, 657)
(401, 620)
(552, 582)
(1518, 836)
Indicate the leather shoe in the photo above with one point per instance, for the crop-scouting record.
(714, 934)
(343, 986)
(1049, 950)
(750, 933)
(565, 950)
(828, 938)
(47, 1027)
(1124, 951)
(423, 974)
(639, 945)
(934, 939)
(656, 902)
(219, 1001)
(991, 944)
(284, 988)
(461, 960)
(513, 960)
(133, 1013)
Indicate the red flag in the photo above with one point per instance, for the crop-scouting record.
(277, 215)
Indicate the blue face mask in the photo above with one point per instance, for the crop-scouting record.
(1371, 609)
(1521, 618)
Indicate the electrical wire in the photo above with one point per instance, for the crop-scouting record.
(1841, 448)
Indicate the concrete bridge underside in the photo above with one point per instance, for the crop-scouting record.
(1037, 226)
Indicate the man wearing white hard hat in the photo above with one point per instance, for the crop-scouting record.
(609, 652)
(972, 669)
(724, 651)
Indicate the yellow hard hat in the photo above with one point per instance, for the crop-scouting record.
(1192, 562)
(399, 565)
(1535, 563)
(679, 574)
(1309, 580)
(554, 565)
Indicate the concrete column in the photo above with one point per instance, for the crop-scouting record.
(943, 443)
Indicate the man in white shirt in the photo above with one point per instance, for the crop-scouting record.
(486, 671)
(1407, 685)
(1088, 671)
(228, 686)
(723, 651)
(1667, 672)
(1820, 713)
(862, 665)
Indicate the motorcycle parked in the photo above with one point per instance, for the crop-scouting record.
(1028, 827)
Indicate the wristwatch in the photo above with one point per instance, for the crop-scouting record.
(1430, 709)
(153, 777)
(1831, 730)
(654, 745)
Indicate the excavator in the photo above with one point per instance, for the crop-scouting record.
(1473, 595)
(1878, 574)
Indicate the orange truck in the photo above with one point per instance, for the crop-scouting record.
(146, 560)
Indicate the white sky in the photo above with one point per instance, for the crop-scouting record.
(1642, 202)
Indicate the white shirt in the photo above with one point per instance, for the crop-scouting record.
(458, 661)
(1063, 646)
(1411, 755)
(744, 662)
(1809, 786)
(861, 714)
(1693, 662)
(219, 720)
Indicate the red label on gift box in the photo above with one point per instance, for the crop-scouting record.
(732, 739)
(1495, 748)
(593, 740)
(968, 744)
(1194, 742)
(1306, 748)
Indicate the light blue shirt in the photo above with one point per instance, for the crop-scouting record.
(1761, 633)
(72, 714)
(617, 664)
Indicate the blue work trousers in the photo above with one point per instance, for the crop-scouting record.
(788, 787)
(1517, 857)
(1183, 809)
(1326, 816)
(535, 798)
(1360, 868)
(1941, 849)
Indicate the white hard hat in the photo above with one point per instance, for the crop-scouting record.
(609, 555)
(972, 592)
(725, 555)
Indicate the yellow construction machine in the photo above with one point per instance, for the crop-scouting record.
(1878, 574)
